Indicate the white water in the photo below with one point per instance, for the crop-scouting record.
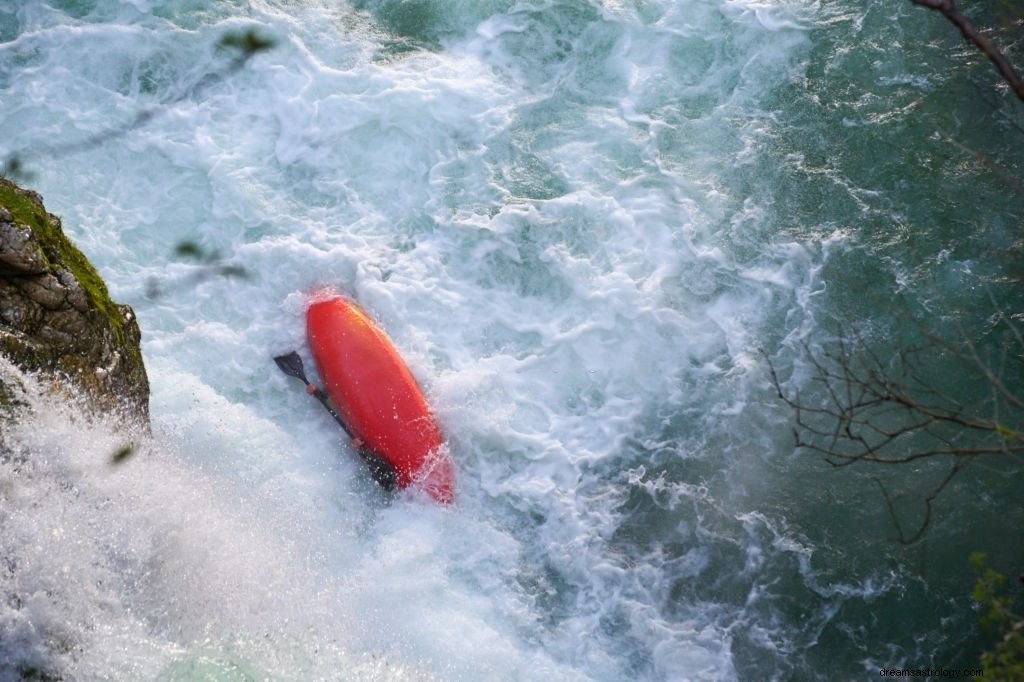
(540, 215)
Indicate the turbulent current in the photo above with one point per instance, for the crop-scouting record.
(594, 229)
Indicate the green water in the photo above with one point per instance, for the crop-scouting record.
(593, 228)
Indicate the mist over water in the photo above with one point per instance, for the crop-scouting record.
(586, 226)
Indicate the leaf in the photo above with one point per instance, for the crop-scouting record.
(1007, 433)
(189, 249)
(248, 41)
(122, 454)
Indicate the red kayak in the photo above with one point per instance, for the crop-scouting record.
(378, 397)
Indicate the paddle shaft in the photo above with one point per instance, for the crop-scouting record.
(324, 400)
(382, 472)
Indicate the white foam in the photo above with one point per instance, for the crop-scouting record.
(537, 228)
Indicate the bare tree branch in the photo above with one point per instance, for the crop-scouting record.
(949, 10)
(928, 500)
(857, 408)
(242, 44)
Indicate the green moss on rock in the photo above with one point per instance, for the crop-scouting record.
(56, 316)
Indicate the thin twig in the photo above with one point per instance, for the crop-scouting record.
(949, 10)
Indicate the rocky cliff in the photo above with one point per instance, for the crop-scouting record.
(56, 317)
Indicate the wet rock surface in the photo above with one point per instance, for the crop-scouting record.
(57, 319)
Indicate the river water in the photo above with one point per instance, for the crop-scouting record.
(591, 228)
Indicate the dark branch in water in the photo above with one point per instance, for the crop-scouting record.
(866, 410)
(208, 264)
(926, 520)
(244, 43)
(949, 10)
(1008, 178)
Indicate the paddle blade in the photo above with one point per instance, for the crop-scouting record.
(291, 364)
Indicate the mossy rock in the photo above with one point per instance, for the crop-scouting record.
(57, 319)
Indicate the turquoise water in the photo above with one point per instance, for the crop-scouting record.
(586, 225)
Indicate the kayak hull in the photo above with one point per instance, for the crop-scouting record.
(378, 397)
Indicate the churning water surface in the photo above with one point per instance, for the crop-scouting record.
(588, 226)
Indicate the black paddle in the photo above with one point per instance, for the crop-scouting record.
(380, 470)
